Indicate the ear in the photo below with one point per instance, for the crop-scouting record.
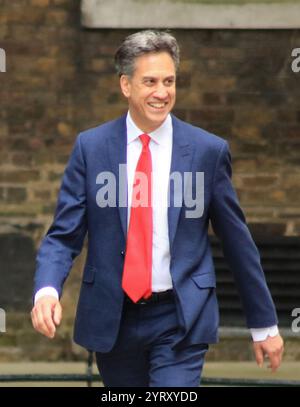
(125, 85)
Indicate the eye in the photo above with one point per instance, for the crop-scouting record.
(149, 82)
(170, 81)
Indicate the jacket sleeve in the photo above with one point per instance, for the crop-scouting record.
(240, 251)
(65, 237)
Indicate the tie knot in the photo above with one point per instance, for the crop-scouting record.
(145, 139)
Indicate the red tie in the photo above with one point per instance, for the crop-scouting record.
(137, 273)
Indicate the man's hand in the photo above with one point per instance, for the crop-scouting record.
(271, 348)
(46, 315)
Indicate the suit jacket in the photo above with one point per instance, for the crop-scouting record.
(101, 297)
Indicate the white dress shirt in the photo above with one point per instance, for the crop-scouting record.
(161, 151)
(160, 146)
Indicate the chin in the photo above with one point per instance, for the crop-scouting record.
(158, 117)
(157, 121)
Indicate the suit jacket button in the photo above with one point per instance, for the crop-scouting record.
(123, 252)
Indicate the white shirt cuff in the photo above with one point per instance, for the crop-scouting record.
(46, 291)
(260, 334)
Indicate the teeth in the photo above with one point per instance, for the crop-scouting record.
(157, 105)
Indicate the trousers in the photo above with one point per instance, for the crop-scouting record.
(142, 354)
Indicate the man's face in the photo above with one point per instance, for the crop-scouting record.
(151, 90)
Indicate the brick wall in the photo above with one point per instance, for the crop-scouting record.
(60, 80)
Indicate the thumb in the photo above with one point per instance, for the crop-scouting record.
(57, 313)
(259, 355)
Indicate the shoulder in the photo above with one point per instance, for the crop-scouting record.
(101, 132)
(199, 136)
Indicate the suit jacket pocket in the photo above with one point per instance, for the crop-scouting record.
(89, 274)
(206, 280)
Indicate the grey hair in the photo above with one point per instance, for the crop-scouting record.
(141, 43)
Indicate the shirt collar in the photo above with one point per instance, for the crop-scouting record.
(160, 135)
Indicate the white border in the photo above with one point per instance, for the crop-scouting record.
(174, 14)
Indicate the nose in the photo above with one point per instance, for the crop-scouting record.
(161, 92)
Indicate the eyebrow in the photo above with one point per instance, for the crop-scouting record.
(154, 77)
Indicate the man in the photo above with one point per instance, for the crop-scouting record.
(147, 303)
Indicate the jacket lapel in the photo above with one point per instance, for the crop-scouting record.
(181, 162)
(117, 152)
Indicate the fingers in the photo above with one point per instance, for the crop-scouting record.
(42, 315)
(57, 314)
(259, 355)
(275, 359)
(43, 320)
(275, 354)
(271, 348)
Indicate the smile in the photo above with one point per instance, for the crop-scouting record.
(159, 105)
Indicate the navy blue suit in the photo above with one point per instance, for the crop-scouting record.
(100, 304)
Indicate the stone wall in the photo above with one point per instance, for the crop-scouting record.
(60, 80)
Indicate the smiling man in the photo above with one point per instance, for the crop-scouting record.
(148, 305)
(151, 90)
